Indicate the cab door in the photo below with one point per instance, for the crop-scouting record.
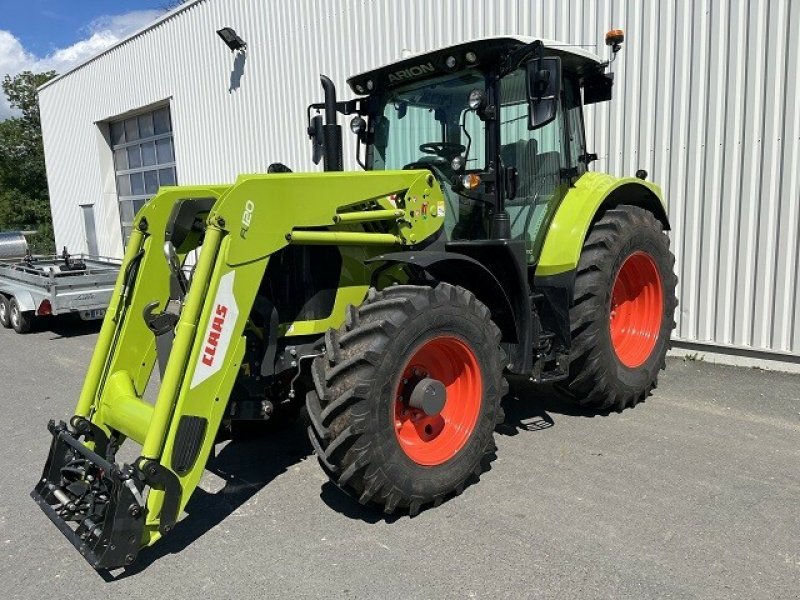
(546, 159)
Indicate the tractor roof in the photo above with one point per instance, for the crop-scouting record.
(484, 50)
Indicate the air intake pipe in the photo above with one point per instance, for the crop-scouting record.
(331, 132)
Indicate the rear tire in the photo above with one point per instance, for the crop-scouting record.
(368, 438)
(5, 312)
(20, 321)
(622, 316)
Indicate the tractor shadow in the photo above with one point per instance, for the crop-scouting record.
(529, 407)
(249, 464)
(246, 466)
(530, 399)
(349, 507)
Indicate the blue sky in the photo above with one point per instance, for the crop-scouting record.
(39, 35)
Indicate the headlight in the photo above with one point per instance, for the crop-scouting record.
(457, 163)
(358, 125)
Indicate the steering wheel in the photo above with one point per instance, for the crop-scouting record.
(443, 149)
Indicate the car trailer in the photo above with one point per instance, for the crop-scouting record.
(38, 286)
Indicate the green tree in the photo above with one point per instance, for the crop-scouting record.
(24, 201)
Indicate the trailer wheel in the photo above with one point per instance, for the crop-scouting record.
(5, 312)
(407, 397)
(622, 316)
(20, 321)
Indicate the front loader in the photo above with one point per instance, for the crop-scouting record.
(392, 302)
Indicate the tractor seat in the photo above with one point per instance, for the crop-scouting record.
(531, 166)
(520, 154)
(509, 153)
(538, 176)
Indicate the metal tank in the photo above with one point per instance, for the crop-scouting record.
(12, 245)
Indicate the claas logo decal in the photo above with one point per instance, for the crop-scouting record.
(224, 313)
(217, 324)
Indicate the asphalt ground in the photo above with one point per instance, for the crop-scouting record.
(693, 494)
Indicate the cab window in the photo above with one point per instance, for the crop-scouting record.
(574, 119)
(539, 156)
(419, 127)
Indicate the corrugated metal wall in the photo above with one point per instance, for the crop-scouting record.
(705, 101)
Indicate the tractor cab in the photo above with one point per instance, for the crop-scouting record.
(498, 121)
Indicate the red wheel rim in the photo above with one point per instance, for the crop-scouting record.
(637, 308)
(434, 439)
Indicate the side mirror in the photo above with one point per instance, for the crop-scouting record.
(317, 138)
(544, 90)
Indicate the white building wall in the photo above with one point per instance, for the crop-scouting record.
(705, 101)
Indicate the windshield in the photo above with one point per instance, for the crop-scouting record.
(424, 125)
(429, 113)
(420, 127)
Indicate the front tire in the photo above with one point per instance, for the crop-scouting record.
(623, 313)
(371, 433)
(20, 321)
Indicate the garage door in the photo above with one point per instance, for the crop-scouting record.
(144, 159)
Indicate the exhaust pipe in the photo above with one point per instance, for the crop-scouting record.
(331, 132)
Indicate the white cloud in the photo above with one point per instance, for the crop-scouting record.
(99, 35)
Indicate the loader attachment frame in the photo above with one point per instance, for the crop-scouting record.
(203, 316)
(108, 533)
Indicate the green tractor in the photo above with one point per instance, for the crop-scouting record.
(392, 303)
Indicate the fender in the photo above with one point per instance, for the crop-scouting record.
(24, 298)
(459, 269)
(577, 211)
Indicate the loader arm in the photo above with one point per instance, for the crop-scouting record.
(246, 224)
